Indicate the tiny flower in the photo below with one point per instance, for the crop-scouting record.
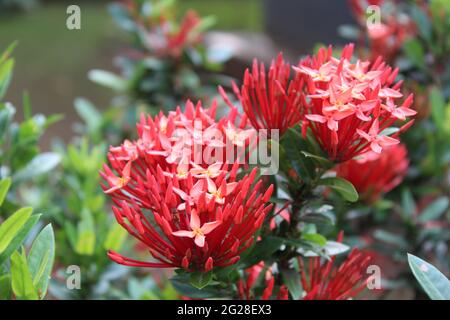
(213, 171)
(220, 193)
(197, 232)
(377, 141)
(116, 183)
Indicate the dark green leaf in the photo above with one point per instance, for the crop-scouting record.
(342, 186)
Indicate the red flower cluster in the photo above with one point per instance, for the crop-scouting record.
(351, 104)
(252, 274)
(326, 282)
(387, 37)
(176, 190)
(272, 101)
(374, 174)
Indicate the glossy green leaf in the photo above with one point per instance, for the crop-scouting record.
(316, 238)
(41, 258)
(5, 184)
(22, 283)
(19, 238)
(341, 186)
(435, 284)
(11, 227)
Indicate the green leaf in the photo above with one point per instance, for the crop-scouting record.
(409, 207)
(434, 210)
(200, 280)
(41, 258)
(5, 76)
(293, 282)
(435, 284)
(262, 250)
(22, 283)
(40, 164)
(341, 186)
(90, 115)
(315, 238)
(390, 238)
(182, 286)
(5, 184)
(85, 234)
(19, 237)
(5, 287)
(295, 147)
(437, 102)
(107, 79)
(12, 225)
(115, 237)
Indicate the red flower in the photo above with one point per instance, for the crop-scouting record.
(375, 174)
(176, 190)
(252, 275)
(324, 281)
(350, 104)
(271, 100)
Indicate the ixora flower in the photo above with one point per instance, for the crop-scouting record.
(349, 105)
(375, 174)
(252, 276)
(176, 190)
(272, 100)
(324, 281)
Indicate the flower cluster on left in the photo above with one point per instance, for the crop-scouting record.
(177, 191)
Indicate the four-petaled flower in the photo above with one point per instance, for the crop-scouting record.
(197, 232)
(377, 141)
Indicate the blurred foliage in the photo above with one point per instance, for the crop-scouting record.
(168, 62)
(22, 275)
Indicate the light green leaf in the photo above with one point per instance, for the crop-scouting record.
(12, 225)
(19, 238)
(40, 164)
(434, 210)
(316, 238)
(85, 234)
(5, 184)
(435, 284)
(90, 115)
(22, 283)
(41, 258)
(107, 79)
(341, 186)
(5, 76)
(115, 237)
